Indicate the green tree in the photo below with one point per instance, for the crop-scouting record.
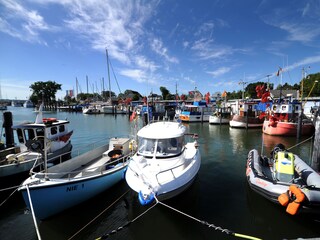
(165, 92)
(44, 91)
(309, 84)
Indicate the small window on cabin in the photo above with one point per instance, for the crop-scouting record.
(53, 130)
(297, 108)
(26, 135)
(274, 108)
(40, 132)
(61, 128)
(20, 135)
(284, 108)
(30, 134)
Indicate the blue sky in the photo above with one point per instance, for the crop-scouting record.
(208, 44)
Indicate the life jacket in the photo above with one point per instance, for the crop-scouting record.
(292, 199)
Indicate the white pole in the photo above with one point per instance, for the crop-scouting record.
(33, 215)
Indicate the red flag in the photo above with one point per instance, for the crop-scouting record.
(133, 116)
(279, 71)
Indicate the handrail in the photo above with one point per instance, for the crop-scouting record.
(171, 169)
(94, 170)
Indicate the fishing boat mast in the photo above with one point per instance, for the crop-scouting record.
(108, 74)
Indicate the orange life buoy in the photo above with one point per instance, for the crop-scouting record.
(46, 120)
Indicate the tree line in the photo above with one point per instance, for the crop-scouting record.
(46, 91)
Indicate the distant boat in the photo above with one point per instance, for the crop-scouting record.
(247, 117)
(221, 116)
(283, 120)
(16, 104)
(197, 112)
(31, 144)
(165, 164)
(65, 185)
(3, 107)
(28, 104)
(92, 109)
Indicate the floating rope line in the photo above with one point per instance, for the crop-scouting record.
(125, 225)
(8, 197)
(5, 189)
(98, 215)
(210, 225)
(301, 142)
(227, 231)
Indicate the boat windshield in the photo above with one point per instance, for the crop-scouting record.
(160, 147)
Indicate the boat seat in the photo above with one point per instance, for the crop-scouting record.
(257, 166)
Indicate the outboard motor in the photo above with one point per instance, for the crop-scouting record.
(7, 125)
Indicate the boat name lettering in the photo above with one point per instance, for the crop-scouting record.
(72, 188)
(262, 183)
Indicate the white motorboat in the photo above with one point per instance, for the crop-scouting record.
(52, 190)
(197, 112)
(221, 116)
(165, 164)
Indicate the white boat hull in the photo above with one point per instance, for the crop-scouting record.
(27, 161)
(164, 184)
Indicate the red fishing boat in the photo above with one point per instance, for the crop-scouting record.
(282, 119)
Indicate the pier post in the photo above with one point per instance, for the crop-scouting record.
(316, 145)
(299, 127)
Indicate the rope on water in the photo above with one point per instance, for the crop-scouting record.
(9, 195)
(301, 142)
(9, 188)
(125, 225)
(210, 225)
(98, 215)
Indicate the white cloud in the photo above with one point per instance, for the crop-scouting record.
(157, 46)
(220, 71)
(135, 74)
(205, 49)
(23, 23)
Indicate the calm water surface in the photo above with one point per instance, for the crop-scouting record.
(219, 195)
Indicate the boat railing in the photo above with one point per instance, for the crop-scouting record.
(186, 163)
(79, 151)
(84, 172)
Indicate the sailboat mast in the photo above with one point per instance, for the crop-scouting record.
(108, 73)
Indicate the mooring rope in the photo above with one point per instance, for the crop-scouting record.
(5, 189)
(16, 188)
(33, 214)
(301, 142)
(98, 215)
(104, 236)
(210, 225)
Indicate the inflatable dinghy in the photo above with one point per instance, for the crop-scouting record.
(284, 178)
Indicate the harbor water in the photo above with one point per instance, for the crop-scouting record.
(219, 195)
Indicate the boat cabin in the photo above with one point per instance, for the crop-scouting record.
(161, 140)
(55, 129)
(160, 147)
